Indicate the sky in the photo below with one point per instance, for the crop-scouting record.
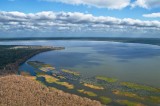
(80, 18)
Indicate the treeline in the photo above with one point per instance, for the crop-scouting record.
(153, 41)
(8, 55)
(12, 56)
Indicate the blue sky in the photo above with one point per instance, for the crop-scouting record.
(110, 18)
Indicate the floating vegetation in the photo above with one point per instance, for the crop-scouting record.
(105, 100)
(89, 93)
(139, 87)
(71, 72)
(41, 66)
(70, 75)
(35, 64)
(51, 79)
(66, 84)
(129, 103)
(93, 86)
(154, 99)
(46, 69)
(127, 94)
(110, 80)
(40, 74)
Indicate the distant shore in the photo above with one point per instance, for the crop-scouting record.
(152, 41)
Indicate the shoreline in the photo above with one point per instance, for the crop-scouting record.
(12, 68)
(151, 41)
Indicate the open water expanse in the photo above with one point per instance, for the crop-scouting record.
(127, 62)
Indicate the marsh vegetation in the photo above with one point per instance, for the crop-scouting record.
(97, 87)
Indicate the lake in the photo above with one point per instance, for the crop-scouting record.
(127, 62)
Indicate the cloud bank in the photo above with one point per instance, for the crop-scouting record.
(152, 15)
(112, 4)
(146, 3)
(49, 21)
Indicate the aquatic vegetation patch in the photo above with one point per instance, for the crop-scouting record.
(40, 74)
(51, 79)
(66, 84)
(46, 68)
(153, 99)
(139, 87)
(35, 64)
(41, 66)
(127, 94)
(71, 72)
(105, 100)
(68, 74)
(93, 86)
(89, 93)
(129, 103)
(110, 80)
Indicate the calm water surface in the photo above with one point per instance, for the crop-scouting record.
(138, 63)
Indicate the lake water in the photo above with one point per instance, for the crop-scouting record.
(138, 63)
(127, 62)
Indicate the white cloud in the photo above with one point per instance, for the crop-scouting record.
(110, 4)
(152, 15)
(70, 21)
(146, 3)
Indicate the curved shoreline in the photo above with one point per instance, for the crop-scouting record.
(12, 68)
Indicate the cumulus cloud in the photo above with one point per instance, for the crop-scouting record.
(152, 15)
(110, 4)
(70, 21)
(146, 3)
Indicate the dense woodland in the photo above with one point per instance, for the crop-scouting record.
(8, 55)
